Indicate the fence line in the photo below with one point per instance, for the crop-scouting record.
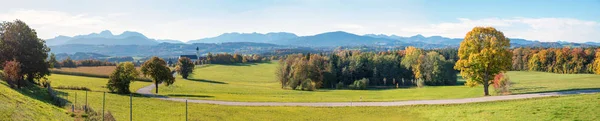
(71, 101)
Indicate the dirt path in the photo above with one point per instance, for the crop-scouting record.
(147, 92)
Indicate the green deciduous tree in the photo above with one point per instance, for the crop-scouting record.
(21, 43)
(53, 62)
(121, 77)
(157, 69)
(482, 54)
(185, 67)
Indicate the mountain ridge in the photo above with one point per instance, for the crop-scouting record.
(326, 39)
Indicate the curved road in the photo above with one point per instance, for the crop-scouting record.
(146, 91)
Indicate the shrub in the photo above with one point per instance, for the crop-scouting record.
(12, 74)
(55, 99)
(73, 88)
(122, 77)
(360, 84)
(339, 85)
(97, 116)
(502, 84)
(308, 85)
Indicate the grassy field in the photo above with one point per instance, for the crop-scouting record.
(28, 104)
(256, 82)
(99, 70)
(578, 107)
(528, 82)
(94, 84)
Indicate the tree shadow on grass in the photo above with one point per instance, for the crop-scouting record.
(186, 95)
(526, 88)
(207, 81)
(37, 93)
(567, 91)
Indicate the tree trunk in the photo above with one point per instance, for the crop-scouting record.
(30, 78)
(486, 84)
(485, 89)
(156, 85)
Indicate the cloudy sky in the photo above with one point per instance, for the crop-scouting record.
(544, 20)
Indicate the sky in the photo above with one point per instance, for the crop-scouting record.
(543, 20)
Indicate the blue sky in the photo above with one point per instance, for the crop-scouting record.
(544, 20)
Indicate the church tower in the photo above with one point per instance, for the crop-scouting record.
(197, 54)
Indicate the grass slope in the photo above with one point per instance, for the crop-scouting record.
(27, 105)
(256, 82)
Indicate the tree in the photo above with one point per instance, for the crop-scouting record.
(412, 61)
(121, 77)
(534, 63)
(53, 62)
(12, 74)
(184, 67)
(69, 63)
(482, 54)
(21, 43)
(597, 62)
(157, 69)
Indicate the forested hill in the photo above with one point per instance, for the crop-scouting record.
(168, 49)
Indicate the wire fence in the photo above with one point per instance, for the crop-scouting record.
(97, 105)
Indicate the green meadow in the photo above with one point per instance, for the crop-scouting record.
(257, 83)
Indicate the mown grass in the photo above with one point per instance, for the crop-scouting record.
(256, 82)
(529, 82)
(28, 104)
(577, 107)
(94, 84)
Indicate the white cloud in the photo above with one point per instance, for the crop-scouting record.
(53, 23)
(543, 29)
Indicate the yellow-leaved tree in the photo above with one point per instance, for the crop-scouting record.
(482, 54)
(597, 62)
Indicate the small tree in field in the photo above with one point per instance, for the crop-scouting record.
(157, 69)
(121, 77)
(12, 74)
(184, 67)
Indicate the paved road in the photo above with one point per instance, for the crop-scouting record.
(147, 92)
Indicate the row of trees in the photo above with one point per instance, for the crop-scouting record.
(344, 67)
(225, 58)
(69, 63)
(155, 68)
(556, 60)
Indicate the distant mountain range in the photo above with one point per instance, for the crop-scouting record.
(328, 39)
(106, 38)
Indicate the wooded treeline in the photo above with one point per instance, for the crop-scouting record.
(354, 69)
(556, 60)
(226, 58)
